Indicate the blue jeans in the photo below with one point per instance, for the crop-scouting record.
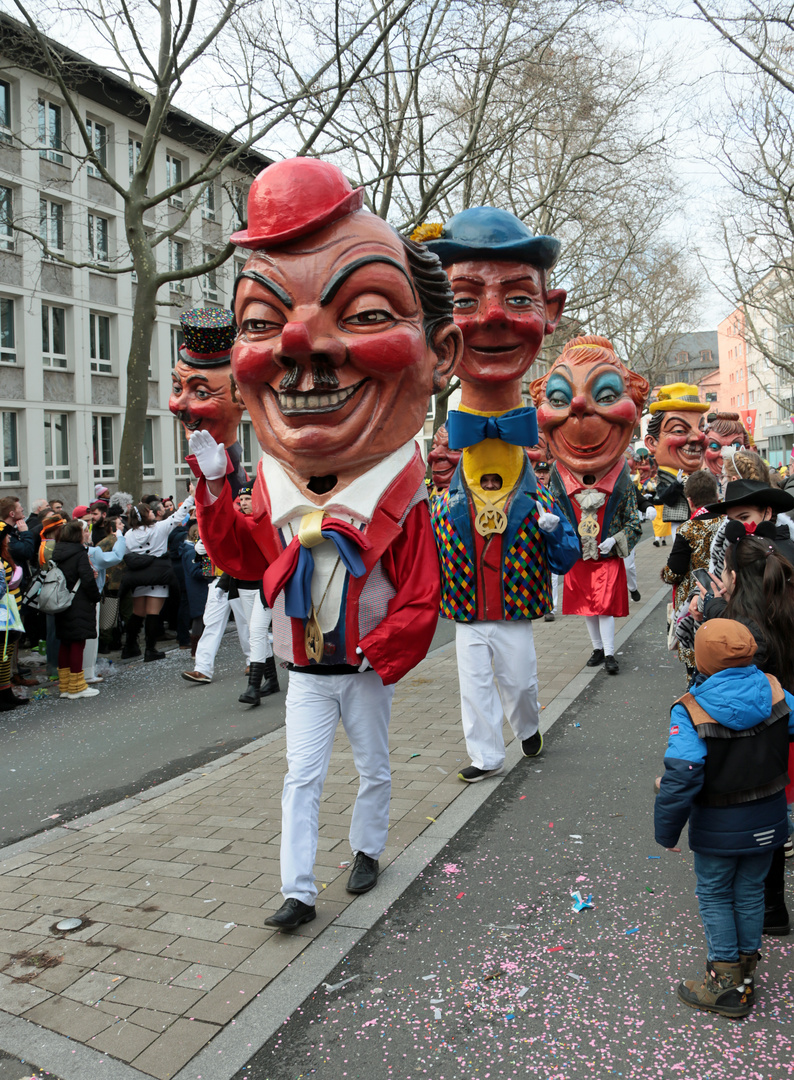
(731, 898)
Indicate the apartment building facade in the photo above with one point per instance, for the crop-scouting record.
(65, 331)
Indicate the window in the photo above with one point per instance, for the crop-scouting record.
(148, 449)
(98, 238)
(682, 358)
(10, 471)
(98, 136)
(56, 446)
(135, 154)
(768, 418)
(176, 261)
(173, 176)
(208, 202)
(741, 375)
(239, 197)
(245, 433)
(177, 341)
(705, 356)
(104, 465)
(751, 397)
(50, 131)
(209, 281)
(51, 224)
(182, 451)
(53, 336)
(6, 219)
(8, 350)
(5, 111)
(100, 343)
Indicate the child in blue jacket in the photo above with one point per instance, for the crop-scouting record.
(726, 771)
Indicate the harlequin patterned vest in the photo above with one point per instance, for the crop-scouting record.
(526, 580)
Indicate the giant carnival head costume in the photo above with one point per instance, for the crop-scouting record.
(344, 328)
(723, 429)
(675, 434)
(202, 389)
(442, 460)
(589, 404)
(497, 269)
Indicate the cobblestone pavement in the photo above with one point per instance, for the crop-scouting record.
(173, 885)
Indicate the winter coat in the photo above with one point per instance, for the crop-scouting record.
(195, 582)
(737, 698)
(102, 561)
(78, 621)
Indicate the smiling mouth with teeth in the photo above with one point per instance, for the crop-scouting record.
(191, 425)
(296, 403)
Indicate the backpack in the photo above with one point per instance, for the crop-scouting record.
(55, 595)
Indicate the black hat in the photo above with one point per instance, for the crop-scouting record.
(209, 336)
(750, 493)
(246, 489)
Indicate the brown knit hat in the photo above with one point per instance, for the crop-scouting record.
(723, 643)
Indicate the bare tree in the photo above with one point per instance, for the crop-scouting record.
(255, 60)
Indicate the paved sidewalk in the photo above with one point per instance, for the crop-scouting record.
(173, 885)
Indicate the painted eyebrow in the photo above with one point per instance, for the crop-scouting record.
(253, 275)
(341, 276)
(518, 277)
(469, 277)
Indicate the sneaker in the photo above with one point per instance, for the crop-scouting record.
(472, 775)
(95, 678)
(88, 692)
(635, 596)
(532, 746)
(196, 676)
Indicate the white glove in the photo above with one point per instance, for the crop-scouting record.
(200, 549)
(650, 513)
(365, 664)
(606, 546)
(681, 476)
(547, 522)
(211, 456)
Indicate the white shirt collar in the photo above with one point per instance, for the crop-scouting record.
(358, 500)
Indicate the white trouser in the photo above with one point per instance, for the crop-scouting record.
(491, 653)
(601, 629)
(631, 570)
(258, 630)
(555, 588)
(216, 616)
(314, 706)
(90, 652)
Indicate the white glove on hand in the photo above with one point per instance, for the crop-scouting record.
(211, 456)
(200, 549)
(547, 522)
(365, 664)
(650, 513)
(606, 546)
(681, 476)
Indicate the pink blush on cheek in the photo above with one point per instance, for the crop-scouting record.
(389, 352)
(622, 412)
(548, 417)
(253, 363)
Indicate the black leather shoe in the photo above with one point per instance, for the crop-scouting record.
(611, 665)
(153, 654)
(292, 914)
(635, 596)
(364, 875)
(596, 658)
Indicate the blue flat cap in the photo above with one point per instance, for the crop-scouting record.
(484, 232)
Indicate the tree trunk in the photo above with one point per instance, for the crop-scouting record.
(442, 404)
(131, 455)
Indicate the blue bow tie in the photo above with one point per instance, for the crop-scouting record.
(519, 427)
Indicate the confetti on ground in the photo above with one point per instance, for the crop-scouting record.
(634, 930)
(579, 904)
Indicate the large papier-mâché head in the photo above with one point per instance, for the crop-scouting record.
(588, 405)
(345, 328)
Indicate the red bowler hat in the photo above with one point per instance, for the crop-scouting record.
(293, 198)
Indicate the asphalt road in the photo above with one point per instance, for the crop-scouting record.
(146, 725)
(482, 969)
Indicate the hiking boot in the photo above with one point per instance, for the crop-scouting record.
(722, 990)
(596, 658)
(749, 962)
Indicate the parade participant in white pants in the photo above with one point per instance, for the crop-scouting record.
(217, 610)
(345, 331)
(314, 706)
(261, 662)
(631, 574)
(504, 652)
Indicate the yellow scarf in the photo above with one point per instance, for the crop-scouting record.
(491, 456)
